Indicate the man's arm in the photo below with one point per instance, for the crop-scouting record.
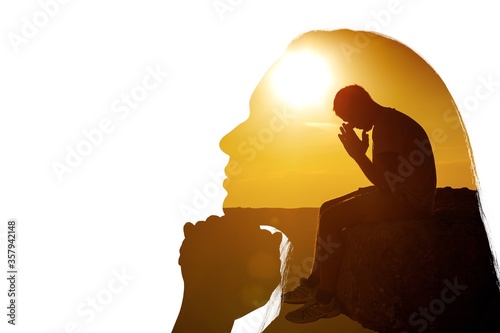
(357, 148)
(376, 173)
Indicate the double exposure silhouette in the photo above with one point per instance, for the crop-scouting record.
(287, 162)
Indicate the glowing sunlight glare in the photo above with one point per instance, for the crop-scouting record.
(301, 79)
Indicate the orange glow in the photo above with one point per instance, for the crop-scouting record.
(287, 153)
(302, 78)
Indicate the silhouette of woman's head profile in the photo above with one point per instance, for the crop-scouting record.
(287, 155)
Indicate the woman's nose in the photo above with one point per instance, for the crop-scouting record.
(229, 143)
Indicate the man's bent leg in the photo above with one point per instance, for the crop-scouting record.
(313, 279)
(368, 208)
(324, 248)
(308, 286)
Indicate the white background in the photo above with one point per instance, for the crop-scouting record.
(119, 209)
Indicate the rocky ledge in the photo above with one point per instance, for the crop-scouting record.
(423, 275)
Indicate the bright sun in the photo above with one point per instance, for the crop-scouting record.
(301, 79)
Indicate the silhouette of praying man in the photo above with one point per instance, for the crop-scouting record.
(403, 172)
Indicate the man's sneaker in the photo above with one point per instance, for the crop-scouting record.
(300, 295)
(313, 310)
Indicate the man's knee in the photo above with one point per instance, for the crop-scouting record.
(330, 222)
(325, 206)
(341, 210)
(330, 206)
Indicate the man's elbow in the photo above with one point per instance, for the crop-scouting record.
(382, 185)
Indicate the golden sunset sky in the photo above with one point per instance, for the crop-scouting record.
(287, 153)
